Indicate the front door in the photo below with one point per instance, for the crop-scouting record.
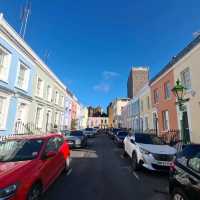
(185, 128)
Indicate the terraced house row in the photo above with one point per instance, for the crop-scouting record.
(32, 98)
(153, 107)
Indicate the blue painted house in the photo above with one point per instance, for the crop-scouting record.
(16, 78)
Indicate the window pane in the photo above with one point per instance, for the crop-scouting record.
(21, 77)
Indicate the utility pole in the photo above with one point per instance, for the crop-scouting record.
(25, 13)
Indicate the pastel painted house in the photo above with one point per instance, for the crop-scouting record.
(30, 93)
(146, 117)
(16, 78)
(186, 68)
(164, 102)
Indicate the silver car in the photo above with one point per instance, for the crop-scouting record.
(75, 139)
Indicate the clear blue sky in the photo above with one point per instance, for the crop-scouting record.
(93, 43)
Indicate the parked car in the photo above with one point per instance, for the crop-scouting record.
(184, 182)
(30, 164)
(113, 132)
(119, 138)
(90, 132)
(75, 139)
(80, 138)
(148, 151)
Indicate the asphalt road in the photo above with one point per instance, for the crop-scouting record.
(100, 172)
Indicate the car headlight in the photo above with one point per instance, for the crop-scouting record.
(143, 151)
(8, 191)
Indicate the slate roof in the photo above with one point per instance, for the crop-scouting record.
(178, 57)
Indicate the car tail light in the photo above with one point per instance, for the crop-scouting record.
(172, 167)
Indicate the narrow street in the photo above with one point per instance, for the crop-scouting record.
(100, 172)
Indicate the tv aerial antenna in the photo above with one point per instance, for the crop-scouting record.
(24, 16)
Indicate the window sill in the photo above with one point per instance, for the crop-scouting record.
(168, 99)
(38, 96)
(3, 129)
(21, 89)
(4, 81)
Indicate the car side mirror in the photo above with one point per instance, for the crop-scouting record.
(132, 141)
(50, 154)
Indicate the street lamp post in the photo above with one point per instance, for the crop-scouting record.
(179, 92)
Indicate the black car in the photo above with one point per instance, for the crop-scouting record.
(184, 182)
(113, 133)
(119, 138)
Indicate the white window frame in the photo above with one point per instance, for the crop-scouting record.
(40, 121)
(167, 93)
(41, 92)
(57, 97)
(187, 69)
(24, 120)
(50, 93)
(56, 118)
(6, 64)
(62, 100)
(165, 116)
(27, 76)
(5, 107)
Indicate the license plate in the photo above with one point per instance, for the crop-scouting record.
(162, 163)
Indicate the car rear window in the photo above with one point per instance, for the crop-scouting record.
(77, 133)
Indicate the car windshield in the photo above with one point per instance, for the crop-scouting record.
(89, 129)
(122, 134)
(148, 139)
(189, 151)
(19, 150)
(77, 133)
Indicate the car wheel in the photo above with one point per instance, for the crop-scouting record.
(67, 165)
(135, 164)
(178, 194)
(35, 192)
(124, 153)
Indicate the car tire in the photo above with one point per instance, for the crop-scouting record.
(178, 194)
(134, 162)
(124, 153)
(67, 165)
(35, 192)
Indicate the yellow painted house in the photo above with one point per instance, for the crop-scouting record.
(146, 113)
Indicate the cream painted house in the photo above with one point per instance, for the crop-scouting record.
(48, 103)
(187, 70)
(146, 113)
(117, 107)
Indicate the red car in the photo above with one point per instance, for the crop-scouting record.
(30, 164)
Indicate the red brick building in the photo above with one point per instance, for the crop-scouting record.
(163, 101)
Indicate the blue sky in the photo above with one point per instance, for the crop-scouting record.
(94, 43)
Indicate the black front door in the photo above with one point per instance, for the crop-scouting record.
(185, 128)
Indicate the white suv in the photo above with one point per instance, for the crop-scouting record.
(148, 151)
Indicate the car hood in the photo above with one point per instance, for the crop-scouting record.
(158, 149)
(11, 171)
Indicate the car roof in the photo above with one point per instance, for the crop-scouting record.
(36, 136)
